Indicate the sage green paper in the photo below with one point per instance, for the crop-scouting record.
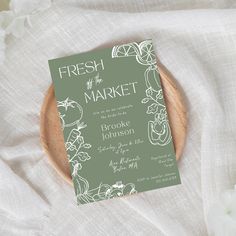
(114, 121)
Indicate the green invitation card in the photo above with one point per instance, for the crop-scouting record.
(114, 120)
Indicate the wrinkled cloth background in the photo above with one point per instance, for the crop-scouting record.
(195, 41)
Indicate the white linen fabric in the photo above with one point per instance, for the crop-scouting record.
(198, 46)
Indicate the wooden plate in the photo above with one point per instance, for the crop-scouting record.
(52, 137)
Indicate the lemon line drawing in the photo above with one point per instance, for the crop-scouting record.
(159, 132)
(143, 52)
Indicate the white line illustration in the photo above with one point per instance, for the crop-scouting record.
(75, 147)
(102, 192)
(159, 132)
(68, 109)
(143, 52)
